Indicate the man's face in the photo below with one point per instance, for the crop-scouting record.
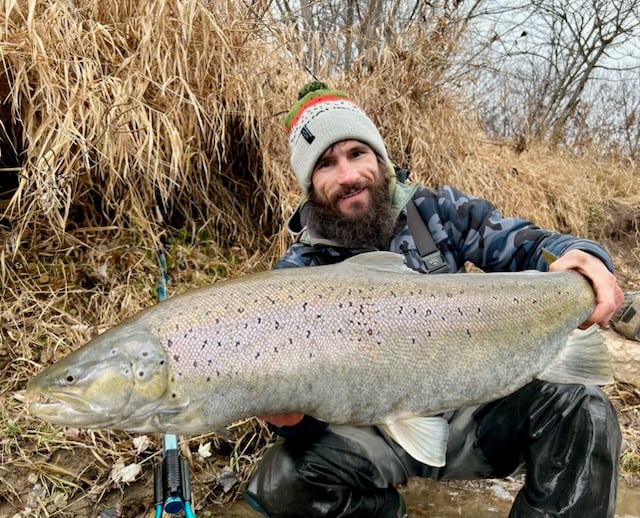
(343, 177)
(350, 197)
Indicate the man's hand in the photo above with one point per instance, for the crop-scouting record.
(281, 420)
(609, 296)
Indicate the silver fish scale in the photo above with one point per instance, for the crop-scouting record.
(368, 341)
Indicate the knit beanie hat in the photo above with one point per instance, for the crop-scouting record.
(320, 118)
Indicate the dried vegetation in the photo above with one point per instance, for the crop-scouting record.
(128, 124)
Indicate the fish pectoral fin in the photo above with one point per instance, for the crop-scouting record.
(584, 359)
(424, 438)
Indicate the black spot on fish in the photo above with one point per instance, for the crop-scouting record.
(304, 306)
(469, 333)
(369, 331)
(161, 362)
(240, 310)
(195, 363)
(318, 317)
(460, 311)
(310, 355)
(275, 349)
(209, 362)
(259, 320)
(276, 325)
(428, 312)
(173, 395)
(208, 379)
(145, 353)
(176, 357)
(204, 344)
(308, 333)
(257, 356)
(237, 344)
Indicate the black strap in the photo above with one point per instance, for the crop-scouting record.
(430, 253)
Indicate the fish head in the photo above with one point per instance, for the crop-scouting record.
(117, 380)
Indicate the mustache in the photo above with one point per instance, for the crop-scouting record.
(346, 190)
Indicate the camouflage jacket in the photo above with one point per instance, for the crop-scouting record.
(464, 228)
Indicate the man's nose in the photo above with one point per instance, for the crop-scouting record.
(346, 172)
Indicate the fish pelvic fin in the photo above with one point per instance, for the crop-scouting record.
(424, 438)
(584, 359)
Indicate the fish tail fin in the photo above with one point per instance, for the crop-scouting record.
(584, 359)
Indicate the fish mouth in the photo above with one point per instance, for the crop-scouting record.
(68, 408)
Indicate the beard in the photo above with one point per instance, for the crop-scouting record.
(371, 227)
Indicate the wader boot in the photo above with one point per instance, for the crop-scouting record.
(565, 438)
(626, 321)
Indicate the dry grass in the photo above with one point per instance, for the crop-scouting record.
(124, 107)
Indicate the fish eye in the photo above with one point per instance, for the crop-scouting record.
(70, 378)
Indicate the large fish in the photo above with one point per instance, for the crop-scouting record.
(365, 341)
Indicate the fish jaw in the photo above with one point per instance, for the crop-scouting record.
(119, 377)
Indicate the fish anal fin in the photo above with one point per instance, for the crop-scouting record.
(424, 438)
(584, 359)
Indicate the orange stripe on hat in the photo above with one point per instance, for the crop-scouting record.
(313, 101)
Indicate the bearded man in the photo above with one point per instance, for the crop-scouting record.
(565, 438)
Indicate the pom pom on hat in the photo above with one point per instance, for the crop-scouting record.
(320, 118)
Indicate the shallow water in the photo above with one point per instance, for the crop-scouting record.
(482, 499)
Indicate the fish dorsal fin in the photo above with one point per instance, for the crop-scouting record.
(381, 261)
(584, 359)
(424, 438)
